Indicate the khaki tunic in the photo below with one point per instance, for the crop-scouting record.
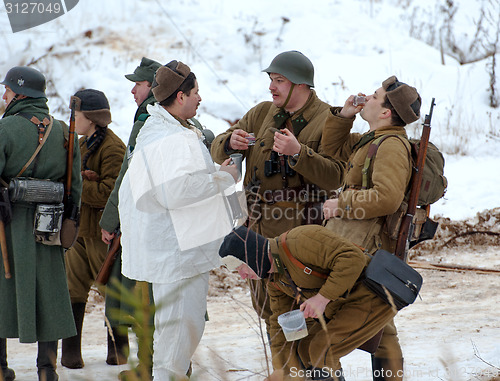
(85, 258)
(354, 314)
(313, 165)
(364, 210)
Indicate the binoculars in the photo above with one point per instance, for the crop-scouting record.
(273, 165)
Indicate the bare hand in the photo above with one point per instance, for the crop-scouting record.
(231, 169)
(238, 140)
(90, 175)
(349, 110)
(286, 143)
(331, 208)
(314, 307)
(106, 236)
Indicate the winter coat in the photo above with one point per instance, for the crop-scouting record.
(312, 167)
(34, 303)
(364, 210)
(172, 210)
(324, 252)
(105, 161)
(110, 219)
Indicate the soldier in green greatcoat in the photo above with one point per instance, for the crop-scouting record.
(142, 77)
(34, 303)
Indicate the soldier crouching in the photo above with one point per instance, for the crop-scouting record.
(313, 269)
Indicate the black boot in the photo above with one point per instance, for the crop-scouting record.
(118, 348)
(387, 369)
(144, 370)
(71, 356)
(6, 374)
(46, 361)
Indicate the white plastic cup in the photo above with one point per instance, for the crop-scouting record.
(293, 325)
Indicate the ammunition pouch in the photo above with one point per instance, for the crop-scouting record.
(393, 223)
(36, 191)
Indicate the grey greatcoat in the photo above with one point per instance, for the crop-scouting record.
(34, 303)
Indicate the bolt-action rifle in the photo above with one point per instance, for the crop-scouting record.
(407, 226)
(71, 209)
(5, 215)
(105, 271)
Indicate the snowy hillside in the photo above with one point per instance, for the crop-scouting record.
(354, 45)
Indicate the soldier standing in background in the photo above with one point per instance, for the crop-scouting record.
(360, 212)
(102, 153)
(288, 174)
(35, 302)
(142, 77)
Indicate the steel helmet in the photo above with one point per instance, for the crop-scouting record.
(26, 81)
(295, 66)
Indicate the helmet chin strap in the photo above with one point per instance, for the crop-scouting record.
(288, 96)
(12, 101)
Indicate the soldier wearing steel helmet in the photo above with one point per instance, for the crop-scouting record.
(288, 173)
(35, 302)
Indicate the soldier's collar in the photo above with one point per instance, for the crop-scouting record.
(365, 139)
(297, 120)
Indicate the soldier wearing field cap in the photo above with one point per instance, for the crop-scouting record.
(371, 195)
(312, 269)
(142, 77)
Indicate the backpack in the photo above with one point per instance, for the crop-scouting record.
(434, 183)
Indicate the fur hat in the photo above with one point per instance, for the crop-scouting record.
(167, 80)
(245, 246)
(94, 105)
(145, 71)
(405, 99)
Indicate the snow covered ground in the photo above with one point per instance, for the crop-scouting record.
(450, 333)
(453, 332)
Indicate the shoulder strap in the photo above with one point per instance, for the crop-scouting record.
(40, 145)
(298, 263)
(372, 151)
(143, 117)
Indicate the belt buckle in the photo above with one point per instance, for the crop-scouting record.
(307, 270)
